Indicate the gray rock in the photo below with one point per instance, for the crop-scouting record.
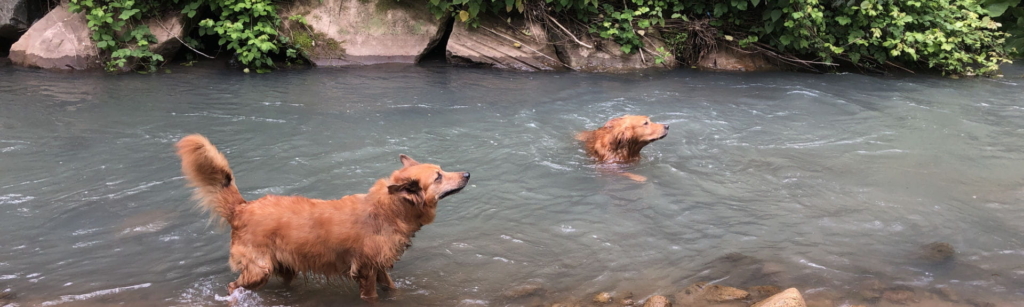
(60, 40)
(522, 46)
(728, 59)
(362, 32)
(606, 55)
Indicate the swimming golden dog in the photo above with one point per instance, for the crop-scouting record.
(620, 140)
(359, 236)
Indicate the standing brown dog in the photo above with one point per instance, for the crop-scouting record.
(359, 236)
(621, 139)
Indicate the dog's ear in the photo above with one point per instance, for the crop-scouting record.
(409, 190)
(621, 140)
(406, 161)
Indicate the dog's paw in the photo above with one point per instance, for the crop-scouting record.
(635, 177)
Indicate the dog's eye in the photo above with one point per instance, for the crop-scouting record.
(647, 122)
(438, 177)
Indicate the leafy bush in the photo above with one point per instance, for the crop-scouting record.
(117, 30)
(246, 27)
(953, 36)
(1010, 13)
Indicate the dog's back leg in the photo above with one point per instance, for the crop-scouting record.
(255, 267)
(286, 273)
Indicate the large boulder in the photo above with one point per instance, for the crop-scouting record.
(522, 45)
(601, 55)
(360, 32)
(728, 59)
(60, 40)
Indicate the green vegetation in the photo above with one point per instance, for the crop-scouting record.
(117, 29)
(246, 27)
(951, 36)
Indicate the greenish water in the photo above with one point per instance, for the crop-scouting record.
(832, 179)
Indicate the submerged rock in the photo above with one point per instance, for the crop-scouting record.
(603, 298)
(870, 290)
(361, 32)
(789, 298)
(657, 301)
(899, 296)
(523, 45)
(937, 252)
(60, 40)
(980, 303)
(521, 290)
(761, 292)
(702, 293)
(742, 270)
(948, 294)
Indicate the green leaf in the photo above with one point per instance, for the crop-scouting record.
(997, 8)
(755, 2)
(776, 14)
(843, 20)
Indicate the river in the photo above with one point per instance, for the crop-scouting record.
(830, 180)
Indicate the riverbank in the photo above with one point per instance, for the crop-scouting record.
(526, 36)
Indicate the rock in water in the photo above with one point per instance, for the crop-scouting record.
(899, 296)
(603, 298)
(526, 289)
(657, 301)
(702, 292)
(761, 292)
(789, 298)
(937, 252)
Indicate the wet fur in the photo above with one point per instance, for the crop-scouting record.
(621, 139)
(359, 236)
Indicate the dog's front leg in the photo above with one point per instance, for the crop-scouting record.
(367, 284)
(384, 280)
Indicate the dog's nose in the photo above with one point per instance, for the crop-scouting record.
(465, 175)
(666, 126)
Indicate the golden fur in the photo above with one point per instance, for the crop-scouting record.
(621, 139)
(359, 236)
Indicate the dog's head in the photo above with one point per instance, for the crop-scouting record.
(422, 184)
(622, 138)
(636, 128)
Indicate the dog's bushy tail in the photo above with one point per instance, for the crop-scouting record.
(207, 170)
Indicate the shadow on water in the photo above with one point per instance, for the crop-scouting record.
(828, 183)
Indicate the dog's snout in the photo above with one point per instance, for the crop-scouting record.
(465, 175)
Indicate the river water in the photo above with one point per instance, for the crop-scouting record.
(819, 182)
